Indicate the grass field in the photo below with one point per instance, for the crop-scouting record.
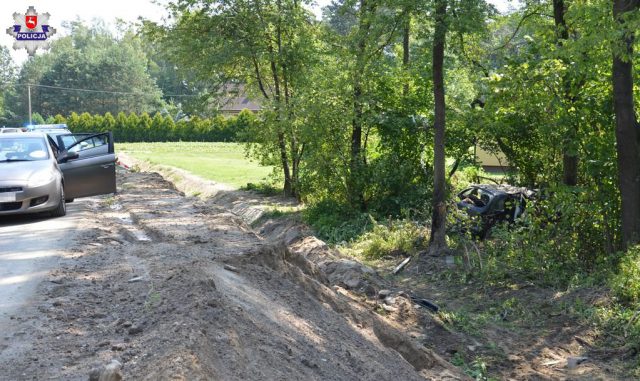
(220, 162)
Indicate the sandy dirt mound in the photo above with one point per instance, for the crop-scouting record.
(520, 332)
(166, 287)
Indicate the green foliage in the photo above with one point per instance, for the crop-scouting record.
(565, 236)
(269, 56)
(337, 223)
(88, 58)
(626, 283)
(361, 234)
(7, 75)
(36, 118)
(144, 128)
(477, 369)
(470, 174)
(263, 188)
(399, 184)
(398, 237)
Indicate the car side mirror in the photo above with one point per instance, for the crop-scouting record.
(66, 156)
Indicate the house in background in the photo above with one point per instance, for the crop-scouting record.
(491, 162)
(235, 99)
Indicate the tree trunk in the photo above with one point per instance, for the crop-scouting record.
(357, 164)
(405, 49)
(569, 162)
(287, 189)
(282, 140)
(282, 143)
(569, 158)
(438, 222)
(626, 126)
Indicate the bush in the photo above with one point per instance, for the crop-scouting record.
(569, 234)
(400, 237)
(334, 222)
(626, 283)
(157, 128)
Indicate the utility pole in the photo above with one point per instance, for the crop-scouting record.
(29, 92)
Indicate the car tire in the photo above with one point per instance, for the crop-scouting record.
(61, 209)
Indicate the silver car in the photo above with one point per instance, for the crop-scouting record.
(40, 173)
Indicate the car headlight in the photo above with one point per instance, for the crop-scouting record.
(41, 178)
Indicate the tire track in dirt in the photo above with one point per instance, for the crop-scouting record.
(205, 298)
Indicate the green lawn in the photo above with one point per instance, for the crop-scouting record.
(220, 162)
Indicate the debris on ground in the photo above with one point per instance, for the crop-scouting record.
(401, 266)
(206, 298)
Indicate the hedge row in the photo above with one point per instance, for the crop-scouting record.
(145, 128)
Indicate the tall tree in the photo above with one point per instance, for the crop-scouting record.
(110, 72)
(569, 156)
(358, 161)
(7, 76)
(406, 35)
(259, 45)
(362, 29)
(438, 221)
(627, 134)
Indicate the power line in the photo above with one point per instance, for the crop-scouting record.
(98, 91)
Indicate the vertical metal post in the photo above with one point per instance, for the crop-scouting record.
(29, 92)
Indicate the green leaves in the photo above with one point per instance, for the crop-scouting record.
(111, 73)
(145, 128)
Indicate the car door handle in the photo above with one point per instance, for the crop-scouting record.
(105, 166)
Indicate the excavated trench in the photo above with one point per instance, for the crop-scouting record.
(173, 287)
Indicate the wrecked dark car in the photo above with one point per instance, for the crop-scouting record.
(488, 205)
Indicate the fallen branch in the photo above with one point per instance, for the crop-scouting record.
(633, 319)
(466, 254)
(583, 342)
(425, 303)
(401, 266)
(479, 256)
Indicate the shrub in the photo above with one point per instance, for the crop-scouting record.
(399, 236)
(146, 128)
(626, 283)
(565, 236)
(335, 222)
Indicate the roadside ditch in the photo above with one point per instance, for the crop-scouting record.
(167, 286)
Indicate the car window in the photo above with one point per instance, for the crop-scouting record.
(23, 149)
(498, 205)
(68, 141)
(85, 144)
(485, 197)
(466, 193)
(95, 142)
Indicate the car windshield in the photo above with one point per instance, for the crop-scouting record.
(22, 149)
(477, 196)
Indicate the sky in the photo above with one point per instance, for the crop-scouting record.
(107, 10)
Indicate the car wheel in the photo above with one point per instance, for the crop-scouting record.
(61, 209)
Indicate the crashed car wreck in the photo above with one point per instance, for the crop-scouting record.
(489, 204)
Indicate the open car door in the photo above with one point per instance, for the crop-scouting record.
(91, 165)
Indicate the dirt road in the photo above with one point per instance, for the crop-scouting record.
(174, 288)
(30, 247)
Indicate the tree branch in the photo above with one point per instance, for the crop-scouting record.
(525, 16)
